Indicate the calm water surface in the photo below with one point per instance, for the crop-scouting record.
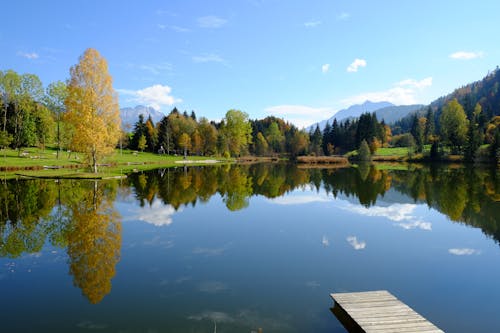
(238, 248)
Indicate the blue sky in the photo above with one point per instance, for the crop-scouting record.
(300, 60)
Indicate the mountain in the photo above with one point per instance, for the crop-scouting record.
(353, 111)
(391, 114)
(130, 116)
(486, 92)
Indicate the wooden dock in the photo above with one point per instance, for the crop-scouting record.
(379, 311)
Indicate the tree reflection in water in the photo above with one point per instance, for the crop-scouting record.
(80, 215)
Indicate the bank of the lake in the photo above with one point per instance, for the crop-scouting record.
(38, 163)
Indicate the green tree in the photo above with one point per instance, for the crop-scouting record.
(299, 142)
(10, 86)
(93, 109)
(454, 124)
(473, 135)
(55, 95)
(364, 154)
(5, 140)
(151, 135)
(237, 132)
(44, 123)
(430, 126)
(21, 113)
(208, 134)
(317, 142)
(261, 145)
(274, 137)
(142, 143)
(418, 132)
(165, 135)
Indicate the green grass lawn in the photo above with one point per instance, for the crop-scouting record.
(120, 163)
(398, 151)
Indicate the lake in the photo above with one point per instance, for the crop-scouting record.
(246, 247)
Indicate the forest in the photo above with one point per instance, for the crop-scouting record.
(465, 123)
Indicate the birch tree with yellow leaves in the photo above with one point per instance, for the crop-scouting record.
(92, 108)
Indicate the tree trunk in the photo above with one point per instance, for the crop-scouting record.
(94, 161)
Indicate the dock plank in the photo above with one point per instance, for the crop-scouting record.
(380, 311)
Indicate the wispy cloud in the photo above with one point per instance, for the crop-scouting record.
(155, 69)
(463, 251)
(28, 55)
(312, 24)
(466, 55)
(343, 16)
(212, 287)
(356, 64)
(162, 12)
(209, 252)
(355, 243)
(211, 22)
(179, 29)
(155, 96)
(325, 68)
(424, 83)
(300, 115)
(208, 57)
(325, 241)
(403, 93)
(161, 26)
(215, 316)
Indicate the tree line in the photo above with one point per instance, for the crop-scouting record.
(235, 135)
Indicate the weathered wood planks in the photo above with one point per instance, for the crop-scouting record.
(379, 311)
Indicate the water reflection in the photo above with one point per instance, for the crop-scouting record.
(94, 238)
(79, 216)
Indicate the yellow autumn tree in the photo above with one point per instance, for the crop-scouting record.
(92, 108)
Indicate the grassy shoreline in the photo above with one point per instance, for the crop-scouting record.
(35, 163)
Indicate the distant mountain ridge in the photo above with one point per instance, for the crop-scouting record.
(130, 115)
(384, 110)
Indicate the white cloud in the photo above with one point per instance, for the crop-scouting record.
(325, 241)
(154, 96)
(402, 214)
(211, 22)
(298, 199)
(157, 214)
(403, 93)
(355, 243)
(312, 24)
(161, 26)
(343, 16)
(325, 68)
(463, 251)
(356, 64)
(300, 115)
(464, 55)
(208, 57)
(28, 55)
